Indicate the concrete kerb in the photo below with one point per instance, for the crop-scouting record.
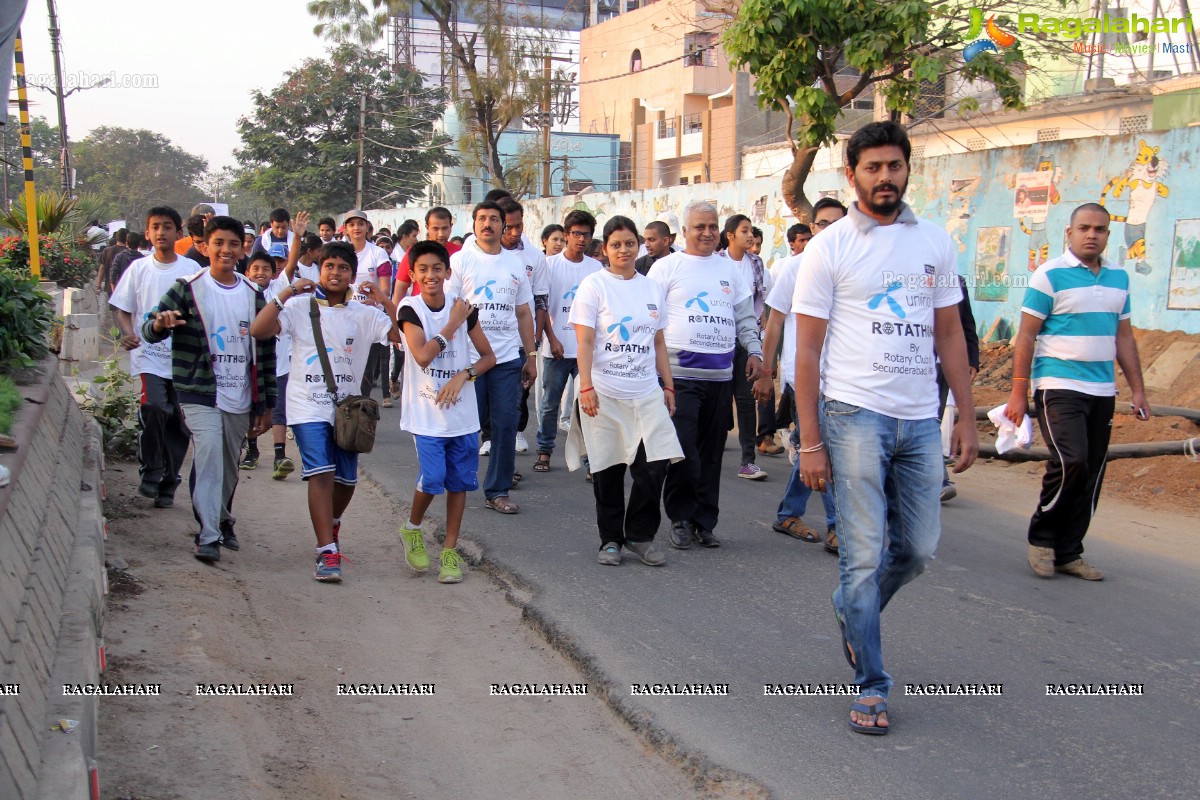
(716, 780)
(69, 758)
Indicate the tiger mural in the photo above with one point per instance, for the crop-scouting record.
(1143, 179)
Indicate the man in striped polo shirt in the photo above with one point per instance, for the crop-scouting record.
(1074, 323)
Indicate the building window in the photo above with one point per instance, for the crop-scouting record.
(635, 61)
(918, 151)
(1138, 124)
(977, 143)
(466, 190)
(696, 179)
(666, 128)
(683, 181)
(693, 123)
(1048, 135)
(698, 49)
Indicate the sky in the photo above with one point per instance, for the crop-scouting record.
(183, 70)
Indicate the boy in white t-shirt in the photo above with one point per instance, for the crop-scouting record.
(163, 438)
(439, 406)
(348, 329)
(223, 378)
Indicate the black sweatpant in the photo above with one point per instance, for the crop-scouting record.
(637, 520)
(786, 414)
(163, 437)
(702, 419)
(378, 361)
(1076, 428)
(747, 408)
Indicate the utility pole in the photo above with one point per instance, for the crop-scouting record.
(56, 51)
(546, 119)
(362, 132)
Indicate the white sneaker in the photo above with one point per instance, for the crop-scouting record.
(522, 445)
(564, 425)
(786, 439)
(485, 448)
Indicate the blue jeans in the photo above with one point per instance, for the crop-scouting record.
(887, 478)
(558, 372)
(496, 392)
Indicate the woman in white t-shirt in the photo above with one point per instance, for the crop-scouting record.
(619, 317)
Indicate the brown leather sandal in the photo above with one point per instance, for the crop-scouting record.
(795, 527)
(502, 504)
(542, 464)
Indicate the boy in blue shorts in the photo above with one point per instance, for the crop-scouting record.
(438, 399)
(348, 329)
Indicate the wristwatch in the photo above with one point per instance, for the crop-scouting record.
(472, 374)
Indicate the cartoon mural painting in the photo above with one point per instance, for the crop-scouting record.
(1143, 179)
(1035, 192)
(958, 218)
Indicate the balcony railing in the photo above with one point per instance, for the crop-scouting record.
(666, 128)
(693, 123)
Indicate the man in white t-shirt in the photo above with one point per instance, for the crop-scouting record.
(163, 440)
(878, 292)
(513, 240)
(781, 325)
(560, 346)
(710, 308)
(373, 261)
(495, 282)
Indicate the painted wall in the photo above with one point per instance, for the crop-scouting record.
(1146, 180)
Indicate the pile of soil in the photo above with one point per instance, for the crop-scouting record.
(1172, 480)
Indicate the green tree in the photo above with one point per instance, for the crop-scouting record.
(301, 141)
(801, 53)
(44, 141)
(495, 55)
(129, 171)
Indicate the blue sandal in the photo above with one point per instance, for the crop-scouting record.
(845, 644)
(872, 711)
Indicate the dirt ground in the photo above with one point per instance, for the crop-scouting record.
(258, 617)
(1164, 481)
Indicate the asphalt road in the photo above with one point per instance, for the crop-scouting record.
(757, 611)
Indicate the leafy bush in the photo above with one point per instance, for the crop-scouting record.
(68, 265)
(10, 401)
(113, 401)
(27, 315)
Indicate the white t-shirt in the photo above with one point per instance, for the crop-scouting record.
(228, 312)
(349, 331)
(141, 287)
(626, 315)
(310, 271)
(421, 385)
(370, 259)
(535, 270)
(746, 268)
(495, 285)
(878, 286)
(283, 343)
(780, 301)
(565, 277)
(701, 292)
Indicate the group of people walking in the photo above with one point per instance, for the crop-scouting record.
(658, 344)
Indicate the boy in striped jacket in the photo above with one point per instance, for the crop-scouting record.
(225, 380)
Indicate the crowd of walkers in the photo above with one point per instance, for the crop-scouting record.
(644, 345)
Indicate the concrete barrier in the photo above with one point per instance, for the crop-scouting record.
(52, 584)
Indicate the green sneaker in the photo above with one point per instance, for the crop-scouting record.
(451, 571)
(414, 548)
(283, 467)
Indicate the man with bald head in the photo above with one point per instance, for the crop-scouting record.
(1074, 324)
(710, 308)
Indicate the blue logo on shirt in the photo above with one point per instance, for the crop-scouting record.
(886, 294)
(486, 289)
(699, 301)
(624, 332)
(315, 356)
(218, 338)
(570, 295)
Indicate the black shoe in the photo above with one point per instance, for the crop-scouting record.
(703, 537)
(148, 489)
(228, 538)
(164, 501)
(206, 552)
(680, 538)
